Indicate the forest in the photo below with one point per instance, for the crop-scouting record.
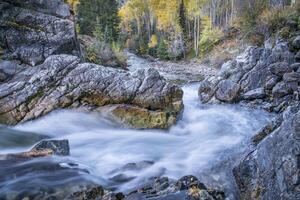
(176, 29)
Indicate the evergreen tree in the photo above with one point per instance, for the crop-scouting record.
(99, 13)
(162, 50)
(182, 18)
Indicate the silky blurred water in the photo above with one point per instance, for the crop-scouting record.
(203, 137)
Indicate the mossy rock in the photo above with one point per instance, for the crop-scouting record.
(142, 118)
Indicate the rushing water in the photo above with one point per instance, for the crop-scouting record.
(205, 137)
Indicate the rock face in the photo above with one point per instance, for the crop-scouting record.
(265, 77)
(38, 73)
(63, 82)
(268, 78)
(227, 91)
(271, 170)
(32, 30)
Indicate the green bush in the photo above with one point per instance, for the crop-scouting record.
(209, 36)
(162, 50)
(261, 19)
(121, 58)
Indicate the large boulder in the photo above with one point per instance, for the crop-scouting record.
(63, 82)
(258, 93)
(280, 68)
(32, 30)
(281, 89)
(296, 42)
(207, 89)
(41, 34)
(271, 170)
(227, 91)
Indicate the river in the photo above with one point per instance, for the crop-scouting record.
(204, 138)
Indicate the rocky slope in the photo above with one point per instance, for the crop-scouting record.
(40, 71)
(265, 77)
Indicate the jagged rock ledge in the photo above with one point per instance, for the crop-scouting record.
(41, 70)
(265, 77)
(63, 82)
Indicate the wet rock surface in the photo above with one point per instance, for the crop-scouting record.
(269, 79)
(32, 32)
(271, 170)
(42, 149)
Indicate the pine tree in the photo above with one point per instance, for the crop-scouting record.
(99, 13)
(162, 50)
(182, 18)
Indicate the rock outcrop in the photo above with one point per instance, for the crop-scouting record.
(32, 30)
(40, 71)
(267, 77)
(63, 82)
(271, 169)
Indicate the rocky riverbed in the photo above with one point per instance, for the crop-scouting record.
(77, 130)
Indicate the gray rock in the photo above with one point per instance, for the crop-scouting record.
(32, 30)
(280, 68)
(58, 147)
(295, 66)
(135, 196)
(11, 67)
(207, 89)
(296, 42)
(54, 7)
(227, 91)
(254, 69)
(62, 82)
(121, 178)
(176, 46)
(42, 149)
(297, 56)
(189, 181)
(281, 89)
(258, 93)
(271, 170)
(3, 76)
(291, 77)
(271, 82)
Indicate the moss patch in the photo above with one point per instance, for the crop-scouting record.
(142, 118)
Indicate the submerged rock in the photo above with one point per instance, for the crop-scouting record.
(187, 187)
(42, 149)
(58, 147)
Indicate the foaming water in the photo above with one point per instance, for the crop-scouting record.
(206, 135)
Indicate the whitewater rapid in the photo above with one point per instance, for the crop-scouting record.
(205, 136)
